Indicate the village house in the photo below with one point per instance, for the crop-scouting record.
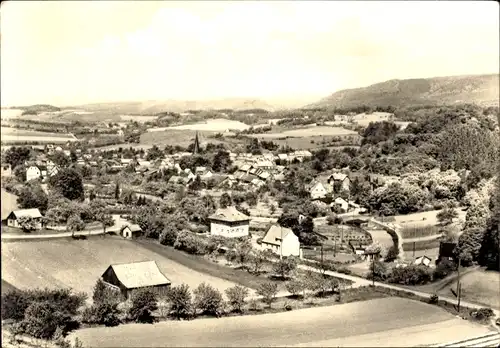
(131, 231)
(12, 218)
(318, 190)
(281, 241)
(339, 182)
(229, 222)
(130, 277)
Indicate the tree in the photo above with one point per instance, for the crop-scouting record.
(295, 287)
(208, 300)
(285, 266)
(104, 313)
(144, 302)
(75, 223)
(60, 159)
(180, 301)
(69, 183)
(446, 215)
(98, 208)
(268, 291)
(221, 161)
(42, 319)
(257, 261)
(168, 235)
(225, 200)
(236, 296)
(117, 191)
(469, 245)
(103, 293)
(27, 223)
(17, 156)
(477, 216)
(33, 197)
(243, 250)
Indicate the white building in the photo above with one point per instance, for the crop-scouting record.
(281, 241)
(318, 191)
(33, 172)
(229, 222)
(33, 213)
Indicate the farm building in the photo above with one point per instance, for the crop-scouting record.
(131, 231)
(12, 218)
(281, 241)
(129, 277)
(229, 222)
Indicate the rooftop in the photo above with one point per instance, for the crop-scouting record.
(275, 234)
(140, 274)
(229, 214)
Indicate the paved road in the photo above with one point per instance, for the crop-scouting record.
(346, 324)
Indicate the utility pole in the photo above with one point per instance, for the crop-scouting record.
(459, 286)
(414, 245)
(322, 261)
(335, 247)
(373, 268)
(281, 244)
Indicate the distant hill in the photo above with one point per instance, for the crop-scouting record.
(479, 89)
(157, 106)
(36, 109)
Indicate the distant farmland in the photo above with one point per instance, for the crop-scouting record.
(14, 135)
(307, 132)
(175, 137)
(211, 125)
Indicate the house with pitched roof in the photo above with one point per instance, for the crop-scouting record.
(229, 222)
(281, 241)
(129, 277)
(12, 218)
(340, 182)
(130, 231)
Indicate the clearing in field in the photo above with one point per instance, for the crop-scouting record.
(212, 125)
(478, 286)
(79, 263)
(386, 322)
(12, 135)
(307, 132)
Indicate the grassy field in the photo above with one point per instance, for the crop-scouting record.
(478, 286)
(387, 321)
(78, 264)
(320, 131)
(210, 125)
(11, 135)
(176, 137)
(427, 218)
(140, 119)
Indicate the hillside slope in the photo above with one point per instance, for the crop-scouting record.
(156, 106)
(480, 89)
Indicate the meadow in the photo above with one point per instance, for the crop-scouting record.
(319, 131)
(78, 264)
(210, 125)
(14, 135)
(175, 137)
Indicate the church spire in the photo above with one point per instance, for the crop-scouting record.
(196, 147)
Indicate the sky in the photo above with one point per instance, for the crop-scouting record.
(68, 53)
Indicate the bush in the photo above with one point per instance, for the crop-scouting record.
(268, 291)
(411, 275)
(444, 268)
(208, 300)
(295, 287)
(190, 243)
(344, 270)
(103, 313)
(481, 314)
(285, 266)
(144, 302)
(180, 301)
(378, 271)
(236, 296)
(434, 299)
(392, 253)
(168, 236)
(103, 293)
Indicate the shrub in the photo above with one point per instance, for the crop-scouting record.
(42, 319)
(268, 291)
(190, 243)
(102, 313)
(444, 268)
(344, 270)
(180, 301)
(103, 293)
(208, 300)
(295, 287)
(481, 314)
(434, 299)
(392, 253)
(411, 275)
(285, 266)
(168, 236)
(144, 302)
(378, 271)
(236, 296)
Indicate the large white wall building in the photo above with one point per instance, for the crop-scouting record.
(229, 222)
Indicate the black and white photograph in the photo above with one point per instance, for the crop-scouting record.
(250, 173)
